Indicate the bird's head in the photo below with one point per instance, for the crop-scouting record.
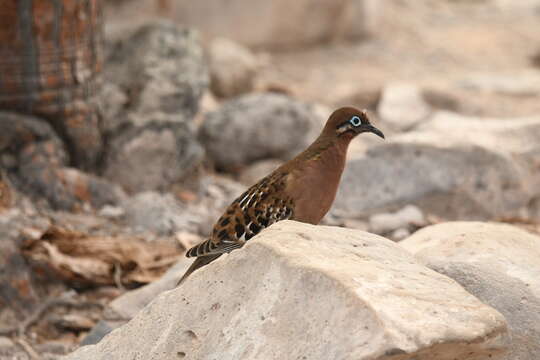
(347, 122)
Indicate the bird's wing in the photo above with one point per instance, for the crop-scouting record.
(259, 207)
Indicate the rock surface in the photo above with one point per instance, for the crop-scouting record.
(161, 67)
(152, 143)
(497, 263)
(127, 305)
(151, 211)
(163, 214)
(313, 292)
(232, 68)
(254, 127)
(453, 166)
(36, 159)
(153, 156)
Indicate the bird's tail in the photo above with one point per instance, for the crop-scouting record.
(199, 262)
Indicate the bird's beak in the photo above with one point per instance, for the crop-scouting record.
(372, 129)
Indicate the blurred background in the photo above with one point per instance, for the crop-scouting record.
(127, 126)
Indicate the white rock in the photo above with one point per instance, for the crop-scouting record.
(314, 292)
(497, 263)
(232, 68)
(402, 106)
(387, 222)
(400, 234)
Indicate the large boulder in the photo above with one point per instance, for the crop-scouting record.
(497, 263)
(151, 139)
(452, 166)
(300, 291)
(257, 126)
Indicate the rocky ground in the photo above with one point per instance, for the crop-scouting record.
(189, 122)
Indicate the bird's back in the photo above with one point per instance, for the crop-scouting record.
(260, 206)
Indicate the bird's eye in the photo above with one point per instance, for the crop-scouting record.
(355, 121)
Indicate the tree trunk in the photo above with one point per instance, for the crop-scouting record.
(50, 65)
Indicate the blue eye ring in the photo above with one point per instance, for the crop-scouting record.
(355, 121)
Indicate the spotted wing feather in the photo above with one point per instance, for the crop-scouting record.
(259, 207)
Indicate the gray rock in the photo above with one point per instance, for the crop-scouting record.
(163, 214)
(89, 189)
(254, 127)
(232, 68)
(153, 156)
(151, 142)
(301, 291)
(215, 193)
(453, 166)
(402, 106)
(498, 264)
(36, 158)
(162, 69)
(154, 212)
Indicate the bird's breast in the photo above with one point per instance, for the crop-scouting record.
(316, 186)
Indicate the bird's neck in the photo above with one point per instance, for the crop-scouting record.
(326, 156)
(319, 167)
(327, 150)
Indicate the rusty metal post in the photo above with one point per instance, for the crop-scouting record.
(50, 65)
